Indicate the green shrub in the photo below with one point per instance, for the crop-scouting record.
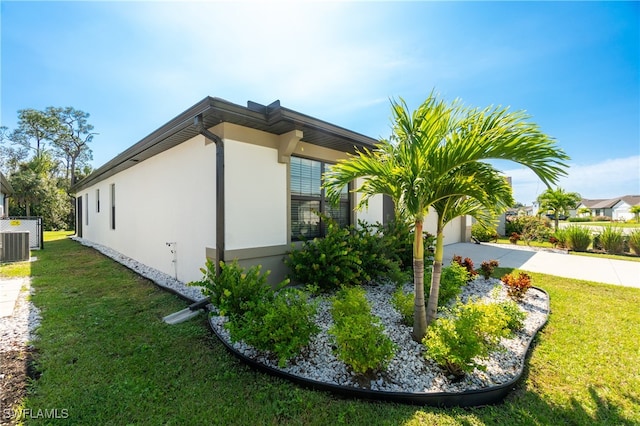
(467, 263)
(399, 240)
(578, 238)
(459, 341)
(529, 228)
(483, 234)
(235, 291)
(517, 285)
(358, 335)
(487, 268)
(452, 279)
(352, 255)
(349, 301)
(283, 325)
(579, 219)
(514, 315)
(612, 239)
(559, 238)
(377, 252)
(326, 263)
(634, 241)
(404, 304)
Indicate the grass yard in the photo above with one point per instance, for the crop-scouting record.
(105, 356)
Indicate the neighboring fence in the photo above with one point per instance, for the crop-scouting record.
(21, 224)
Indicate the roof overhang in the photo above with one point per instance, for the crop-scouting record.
(5, 186)
(273, 119)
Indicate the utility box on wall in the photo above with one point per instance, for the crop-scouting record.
(14, 246)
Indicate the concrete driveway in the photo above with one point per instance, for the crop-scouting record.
(608, 271)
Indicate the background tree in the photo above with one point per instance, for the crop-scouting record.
(636, 212)
(558, 201)
(42, 157)
(72, 138)
(432, 159)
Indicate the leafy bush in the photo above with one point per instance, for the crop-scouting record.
(452, 278)
(326, 263)
(602, 219)
(468, 264)
(514, 237)
(517, 285)
(283, 325)
(634, 241)
(487, 268)
(515, 316)
(483, 234)
(352, 255)
(559, 238)
(612, 239)
(349, 301)
(579, 219)
(358, 335)
(399, 240)
(529, 228)
(377, 252)
(282, 322)
(235, 291)
(578, 238)
(468, 334)
(404, 304)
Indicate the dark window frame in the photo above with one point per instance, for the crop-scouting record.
(343, 209)
(112, 219)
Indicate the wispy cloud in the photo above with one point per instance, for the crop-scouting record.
(607, 179)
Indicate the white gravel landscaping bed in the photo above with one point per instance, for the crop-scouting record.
(408, 371)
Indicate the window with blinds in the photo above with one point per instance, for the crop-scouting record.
(308, 198)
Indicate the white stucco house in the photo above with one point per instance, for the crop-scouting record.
(5, 192)
(223, 181)
(616, 208)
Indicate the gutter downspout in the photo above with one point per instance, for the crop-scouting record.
(198, 122)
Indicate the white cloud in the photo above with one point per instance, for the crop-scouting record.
(304, 54)
(606, 179)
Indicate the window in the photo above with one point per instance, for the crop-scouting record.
(113, 206)
(308, 197)
(97, 201)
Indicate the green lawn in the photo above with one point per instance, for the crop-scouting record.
(105, 355)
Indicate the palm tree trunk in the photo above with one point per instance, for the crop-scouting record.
(432, 306)
(419, 312)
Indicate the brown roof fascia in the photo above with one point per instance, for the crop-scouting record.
(272, 118)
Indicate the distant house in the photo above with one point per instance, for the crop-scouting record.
(615, 208)
(224, 181)
(5, 192)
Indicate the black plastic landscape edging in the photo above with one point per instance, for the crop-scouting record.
(470, 398)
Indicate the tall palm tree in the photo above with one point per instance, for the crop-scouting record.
(435, 157)
(558, 201)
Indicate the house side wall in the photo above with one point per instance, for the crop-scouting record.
(454, 231)
(169, 198)
(165, 206)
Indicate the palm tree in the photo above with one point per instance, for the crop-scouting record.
(435, 158)
(558, 201)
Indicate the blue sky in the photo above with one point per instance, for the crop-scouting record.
(573, 66)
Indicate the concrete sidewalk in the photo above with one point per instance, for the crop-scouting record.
(608, 271)
(9, 291)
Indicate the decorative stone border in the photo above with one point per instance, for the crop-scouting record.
(470, 398)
